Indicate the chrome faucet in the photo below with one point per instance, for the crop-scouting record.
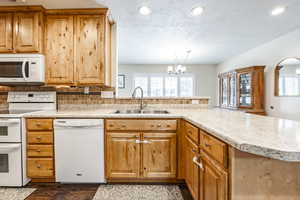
(142, 105)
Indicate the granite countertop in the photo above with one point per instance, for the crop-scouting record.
(266, 136)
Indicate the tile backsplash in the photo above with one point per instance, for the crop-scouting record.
(94, 99)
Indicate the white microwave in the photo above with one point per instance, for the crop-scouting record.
(22, 69)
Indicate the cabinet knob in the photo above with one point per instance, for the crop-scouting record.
(38, 150)
(39, 166)
(158, 125)
(39, 138)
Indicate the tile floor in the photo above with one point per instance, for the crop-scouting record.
(50, 191)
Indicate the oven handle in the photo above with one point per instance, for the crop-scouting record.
(23, 69)
(7, 148)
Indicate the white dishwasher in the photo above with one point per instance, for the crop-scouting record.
(79, 150)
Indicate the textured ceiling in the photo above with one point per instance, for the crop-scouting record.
(226, 28)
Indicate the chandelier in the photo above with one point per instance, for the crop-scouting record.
(178, 69)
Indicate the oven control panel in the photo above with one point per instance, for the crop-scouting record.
(28, 97)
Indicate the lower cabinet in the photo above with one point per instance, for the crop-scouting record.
(192, 176)
(141, 155)
(40, 150)
(205, 166)
(159, 155)
(122, 155)
(214, 181)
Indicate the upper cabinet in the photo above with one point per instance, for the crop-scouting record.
(80, 44)
(6, 33)
(21, 29)
(28, 32)
(243, 89)
(89, 47)
(60, 49)
(79, 48)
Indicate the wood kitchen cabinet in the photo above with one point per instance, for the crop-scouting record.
(40, 150)
(123, 155)
(21, 29)
(28, 34)
(6, 32)
(79, 48)
(159, 155)
(192, 176)
(141, 149)
(214, 180)
(60, 49)
(89, 49)
(206, 164)
(243, 89)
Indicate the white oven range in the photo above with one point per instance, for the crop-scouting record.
(13, 134)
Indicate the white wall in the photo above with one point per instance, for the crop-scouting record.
(270, 54)
(205, 84)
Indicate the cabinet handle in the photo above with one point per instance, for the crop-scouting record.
(39, 166)
(38, 150)
(195, 160)
(158, 125)
(38, 124)
(146, 142)
(39, 138)
(138, 141)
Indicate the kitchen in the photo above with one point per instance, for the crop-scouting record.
(210, 114)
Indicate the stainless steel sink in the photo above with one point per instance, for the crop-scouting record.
(141, 112)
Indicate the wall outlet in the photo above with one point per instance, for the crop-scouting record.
(86, 90)
(107, 94)
(195, 101)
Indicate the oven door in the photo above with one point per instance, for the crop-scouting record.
(14, 70)
(10, 130)
(10, 164)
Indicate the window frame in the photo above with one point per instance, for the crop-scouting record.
(164, 75)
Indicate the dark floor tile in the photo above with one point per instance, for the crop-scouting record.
(56, 191)
(63, 191)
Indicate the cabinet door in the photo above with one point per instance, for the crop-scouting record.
(159, 155)
(6, 33)
(28, 32)
(191, 169)
(59, 49)
(90, 49)
(232, 89)
(122, 155)
(245, 89)
(214, 181)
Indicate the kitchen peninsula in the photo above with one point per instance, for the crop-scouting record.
(237, 156)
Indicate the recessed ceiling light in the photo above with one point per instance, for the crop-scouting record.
(197, 11)
(144, 10)
(278, 11)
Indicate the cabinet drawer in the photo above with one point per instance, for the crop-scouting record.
(214, 147)
(39, 124)
(41, 137)
(145, 125)
(192, 132)
(40, 151)
(40, 167)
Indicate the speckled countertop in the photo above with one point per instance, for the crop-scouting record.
(266, 136)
